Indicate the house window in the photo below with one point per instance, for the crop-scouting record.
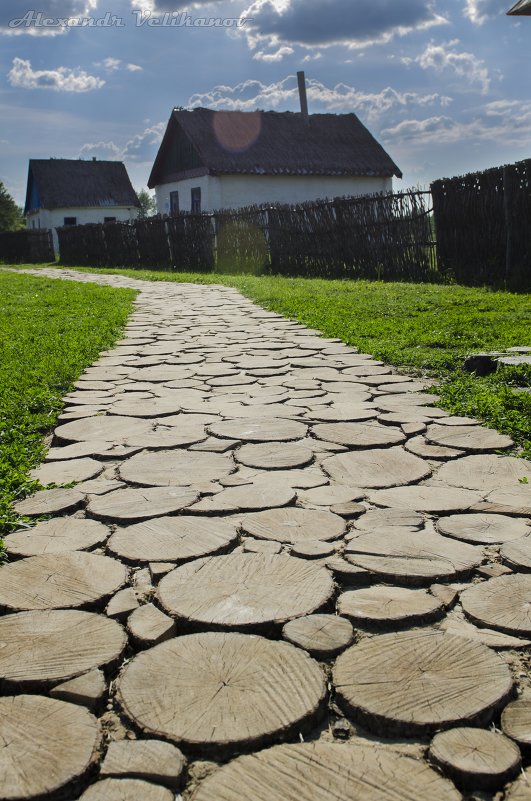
(196, 199)
(174, 202)
(70, 221)
(109, 219)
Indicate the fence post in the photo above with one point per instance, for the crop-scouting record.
(507, 207)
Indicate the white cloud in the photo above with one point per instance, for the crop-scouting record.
(321, 23)
(479, 11)
(445, 58)
(61, 79)
(17, 20)
(507, 123)
(141, 148)
(103, 151)
(283, 94)
(111, 64)
(278, 55)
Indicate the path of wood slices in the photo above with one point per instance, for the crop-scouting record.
(272, 539)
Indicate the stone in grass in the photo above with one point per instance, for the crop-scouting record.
(148, 626)
(475, 758)
(151, 760)
(122, 604)
(323, 636)
(126, 790)
(87, 690)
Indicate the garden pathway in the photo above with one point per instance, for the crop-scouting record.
(278, 557)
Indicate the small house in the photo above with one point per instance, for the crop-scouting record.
(74, 192)
(230, 159)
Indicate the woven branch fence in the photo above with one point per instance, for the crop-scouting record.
(387, 237)
(26, 247)
(483, 226)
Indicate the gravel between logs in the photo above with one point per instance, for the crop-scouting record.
(255, 504)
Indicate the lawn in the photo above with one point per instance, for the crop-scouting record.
(427, 328)
(50, 331)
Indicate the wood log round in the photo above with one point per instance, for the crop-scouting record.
(318, 771)
(245, 591)
(40, 648)
(175, 468)
(60, 535)
(389, 606)
(330, 494)
(483, 529)
(108, 429)
(359, 435)
(374, 519)
(263, 494)
(470, 438)
(516, 720)
(65, 472)
(520, 790)
(517, 554)
(173, 539)
(313, 549)
(508, 501)
(412, 557)
(69, 581)
(273, 456)
(420, 681)
(45, 744)
(375, 468)
(323, 636)
(434, 500)
(458, 625)
(126, 790)
(501, 603)
(266, 429)
(50, 502)
(485, 472)
(153, 407)
(130, 505)
(294, 525)
(220, 691)
(474, 758)
(77, 450)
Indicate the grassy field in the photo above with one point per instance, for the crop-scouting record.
(428, 328)
(49, 332)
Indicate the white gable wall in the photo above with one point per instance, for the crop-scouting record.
(54, 218)
(235, 191)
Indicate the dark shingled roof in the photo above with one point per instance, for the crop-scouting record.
(521, 9)
(277, 143)
(65, 183)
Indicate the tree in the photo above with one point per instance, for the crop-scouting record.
(148, 204)
(11, 217)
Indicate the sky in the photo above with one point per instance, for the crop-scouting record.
(444, 85)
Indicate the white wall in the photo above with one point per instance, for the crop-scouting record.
(54, 218)
(235, 191)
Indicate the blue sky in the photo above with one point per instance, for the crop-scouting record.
(444, 85)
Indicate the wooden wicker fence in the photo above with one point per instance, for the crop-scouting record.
(483, 226)
(383, 237)
(26, 247)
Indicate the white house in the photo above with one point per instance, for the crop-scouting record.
(74, 192)
(228, 159)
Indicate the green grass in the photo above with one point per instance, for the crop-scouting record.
(426, 328)
(49, 332)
